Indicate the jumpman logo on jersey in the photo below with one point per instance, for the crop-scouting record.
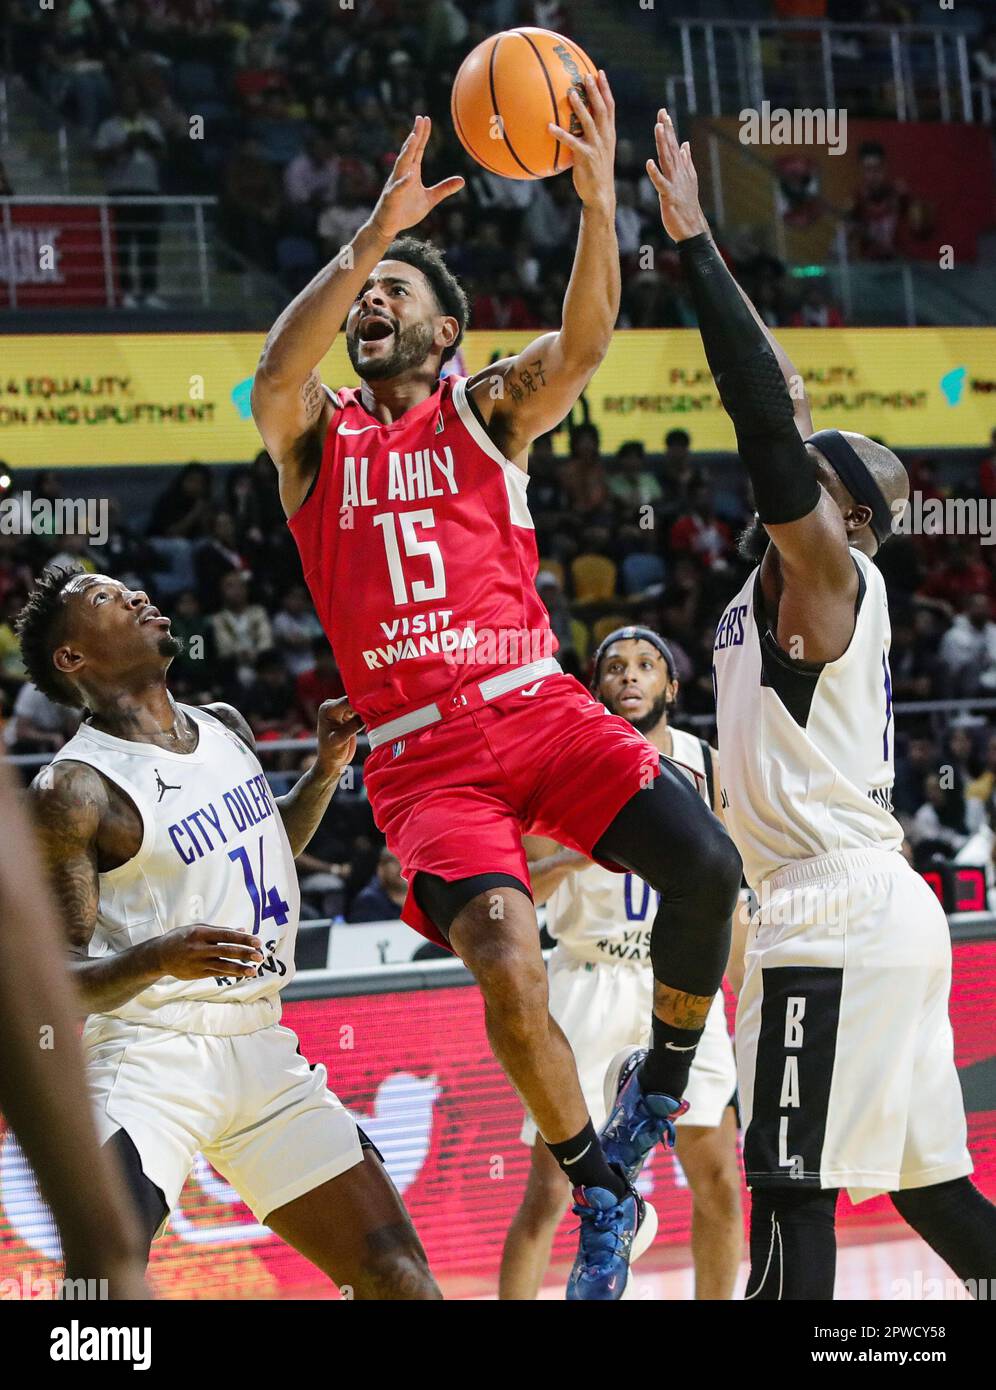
(163, 787)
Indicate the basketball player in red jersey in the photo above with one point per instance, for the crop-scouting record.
(407, 499)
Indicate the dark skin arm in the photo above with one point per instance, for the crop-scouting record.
(307, 801)
(520, 398)
(549, 864)
(808, 577)
(289, 405)
(42, 1084)
(71, 804)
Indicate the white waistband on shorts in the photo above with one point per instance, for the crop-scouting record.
(489, 689)
(832, 867)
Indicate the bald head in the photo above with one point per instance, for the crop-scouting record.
(890, 478)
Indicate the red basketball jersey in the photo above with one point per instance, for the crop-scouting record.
(420, 554)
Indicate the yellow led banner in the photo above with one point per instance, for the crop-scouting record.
(92, 400)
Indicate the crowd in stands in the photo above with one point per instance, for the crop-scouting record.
(304, 105)
(631, 538)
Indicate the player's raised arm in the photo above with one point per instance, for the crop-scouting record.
(542, 383)
(69, 800)
(289, 404)
(798, 513)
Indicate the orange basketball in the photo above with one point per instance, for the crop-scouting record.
(506, 93)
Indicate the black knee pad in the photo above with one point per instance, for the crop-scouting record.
(719, 871)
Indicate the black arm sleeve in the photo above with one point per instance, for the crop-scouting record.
(751, 387)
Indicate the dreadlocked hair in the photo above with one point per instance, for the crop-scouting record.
(39, 627)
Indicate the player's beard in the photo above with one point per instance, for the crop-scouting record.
(411, 348)
(170, 646)
(647, 723)
(753, 542)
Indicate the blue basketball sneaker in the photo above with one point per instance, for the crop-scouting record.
(638, 1120)
(614, 1232)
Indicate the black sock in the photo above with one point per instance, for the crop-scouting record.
(582, 1159)
(670, 1058)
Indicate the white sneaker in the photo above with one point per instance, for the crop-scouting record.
(152, 301)
(129, 301)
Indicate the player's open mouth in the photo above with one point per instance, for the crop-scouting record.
(152, 615)
(631, 698)
(375, 329)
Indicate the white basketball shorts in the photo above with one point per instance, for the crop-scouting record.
(249, 1103)
(845, 1055)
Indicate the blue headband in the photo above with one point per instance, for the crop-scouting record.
(854, 474)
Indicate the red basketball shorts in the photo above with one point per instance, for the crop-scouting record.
(456, 798)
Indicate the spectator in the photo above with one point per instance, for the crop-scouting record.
(341, 220)
(76, 551)
(241, 629)
(185, 506)
(980, 790)
(503, 307)
(700, 532)
(250, 209)
(269, 702)
(295, 631)
(912, 770)
(320, 683)
(12, 672)
(631, 483)
(583, 477)
(880, 209)
(816, 311)
(571, 634)
(968, 650)
(676, 469)
(217, 556)
(37, 724)
(939, 824)
(382, 899)
(195, 669)
(311, 179)
(130, 147)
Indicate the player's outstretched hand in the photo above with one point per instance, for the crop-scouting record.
(594, 149)
(338, 725)
(676, 183)
(404, 200)
(199, 951)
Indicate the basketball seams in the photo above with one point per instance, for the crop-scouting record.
(471, 150)
(553, 96)
(494, 103)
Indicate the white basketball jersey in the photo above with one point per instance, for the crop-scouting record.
(806, 749)
(597, 915)
(213, 850)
